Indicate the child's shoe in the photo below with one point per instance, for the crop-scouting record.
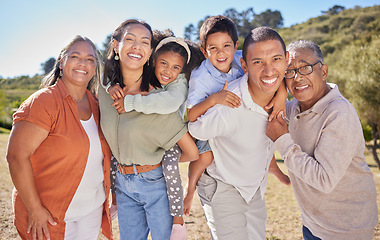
(113, 211)
(178, 232)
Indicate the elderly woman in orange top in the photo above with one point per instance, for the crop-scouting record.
(58, 157)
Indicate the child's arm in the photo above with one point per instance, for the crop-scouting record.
(222, 97)
(188, 148)
(163, 102)
(278, 102)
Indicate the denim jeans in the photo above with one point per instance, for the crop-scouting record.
(143, 205)
(307, 235)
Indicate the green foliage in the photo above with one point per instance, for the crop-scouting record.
(336, 29)
(48, 65)
(245, 21)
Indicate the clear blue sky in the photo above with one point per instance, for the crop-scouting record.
(32, 31)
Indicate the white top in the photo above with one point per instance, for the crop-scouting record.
(242, 151)
(207, 80)
(90, 193)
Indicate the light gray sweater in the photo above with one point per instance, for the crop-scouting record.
(324, 153)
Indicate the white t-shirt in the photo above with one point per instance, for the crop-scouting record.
(90, 193)
(237, 136)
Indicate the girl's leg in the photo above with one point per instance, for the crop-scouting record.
(173, 181)
(196, 168)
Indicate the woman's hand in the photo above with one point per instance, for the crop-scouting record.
(38, 220)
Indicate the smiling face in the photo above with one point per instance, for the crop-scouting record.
(135, 47)
(220, 50)
(168, 65)
(265, 66)
(307, 89)
(79, 64)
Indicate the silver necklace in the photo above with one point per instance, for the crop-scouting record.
(85, 95)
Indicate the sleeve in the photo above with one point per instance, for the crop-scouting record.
(335, 149)
(211, 124)
(174, 131)
(37, 109)
(163, 102)
(197, 88)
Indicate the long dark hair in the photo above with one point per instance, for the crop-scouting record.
(52, 77)
(112, 70)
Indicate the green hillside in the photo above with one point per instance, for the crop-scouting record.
(334, 32)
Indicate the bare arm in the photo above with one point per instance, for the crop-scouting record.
(278, 102)
(188, 148)
(222, 97)
(28, 136)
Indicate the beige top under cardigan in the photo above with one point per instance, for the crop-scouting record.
(138, 138)
(333, 184)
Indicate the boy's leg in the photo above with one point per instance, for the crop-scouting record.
(173, 180)
(196, 168)
(275, 170)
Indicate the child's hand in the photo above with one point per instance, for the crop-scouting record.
(119, 105)
(278, 105)
(226, 97)
(116, 92)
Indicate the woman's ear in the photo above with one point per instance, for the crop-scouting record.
(325, 71)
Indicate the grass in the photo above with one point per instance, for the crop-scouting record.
(284, 218)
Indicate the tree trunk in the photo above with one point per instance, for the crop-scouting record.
(375, 136)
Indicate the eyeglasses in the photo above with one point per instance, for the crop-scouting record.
(305, 70)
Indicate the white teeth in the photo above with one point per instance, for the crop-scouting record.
(134, 55)
(164, 77)
(81, 71)
(301, 87)
(222, 60)
(270, 81)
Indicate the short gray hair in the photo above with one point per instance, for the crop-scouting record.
(306, 44)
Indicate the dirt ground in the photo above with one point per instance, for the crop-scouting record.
(284, 217)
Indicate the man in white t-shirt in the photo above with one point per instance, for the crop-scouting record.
(232, 191)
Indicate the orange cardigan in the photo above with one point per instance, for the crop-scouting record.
(59, 162)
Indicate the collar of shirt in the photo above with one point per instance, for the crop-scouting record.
(236, 70)
(247, 99)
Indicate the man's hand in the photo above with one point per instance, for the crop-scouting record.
(277, 127)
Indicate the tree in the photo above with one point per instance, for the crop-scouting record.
(190, 32)
(106, 47)
(269, 18)
(48, 65)
(334, 10)
(360, 76)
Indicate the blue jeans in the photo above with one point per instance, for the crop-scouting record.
(143, 205)
(307, 235)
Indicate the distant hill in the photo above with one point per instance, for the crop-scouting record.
(333, 32)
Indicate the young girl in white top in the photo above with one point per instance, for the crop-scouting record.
(173, 61)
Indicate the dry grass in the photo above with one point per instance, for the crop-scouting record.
(284, 221)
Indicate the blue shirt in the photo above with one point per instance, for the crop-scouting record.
(207, 79)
